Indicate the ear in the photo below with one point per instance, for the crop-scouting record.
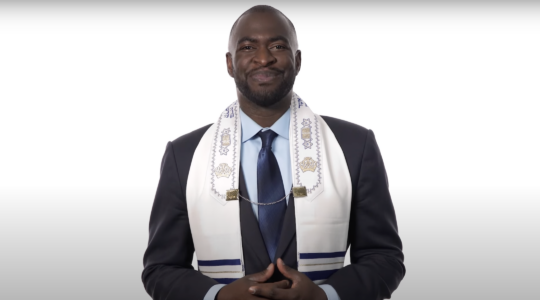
(298, 61)
(228, 57)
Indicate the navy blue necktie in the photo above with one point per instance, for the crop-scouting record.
(270, 189)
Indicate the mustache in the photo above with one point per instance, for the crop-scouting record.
(273, 71)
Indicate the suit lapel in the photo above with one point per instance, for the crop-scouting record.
(288, 230)
(255, 253)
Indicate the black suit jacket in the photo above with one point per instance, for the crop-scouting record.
(376, 267)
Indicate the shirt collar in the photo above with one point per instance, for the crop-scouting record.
(251, 128)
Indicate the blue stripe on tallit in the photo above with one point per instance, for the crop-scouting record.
(322, 255)
(225, 280)
(219, 262)
(319, 275)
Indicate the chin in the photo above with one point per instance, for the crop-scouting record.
(263, 101)
(264, 95)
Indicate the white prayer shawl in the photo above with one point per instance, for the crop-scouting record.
(322, 216)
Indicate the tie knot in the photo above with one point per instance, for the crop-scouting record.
(267, 137)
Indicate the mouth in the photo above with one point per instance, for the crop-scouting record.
(263, 76)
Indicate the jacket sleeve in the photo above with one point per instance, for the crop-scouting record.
(168, 273)
(376, 267)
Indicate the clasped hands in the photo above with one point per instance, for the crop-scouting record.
(252, 287)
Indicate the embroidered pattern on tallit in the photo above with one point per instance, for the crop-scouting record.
(225, 167)
(318, 166)
(305, 146)
(312, 180)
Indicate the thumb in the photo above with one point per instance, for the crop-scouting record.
(263, 275)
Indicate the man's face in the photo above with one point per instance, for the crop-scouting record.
(263, 57)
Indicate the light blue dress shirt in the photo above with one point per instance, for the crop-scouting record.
(249, 154)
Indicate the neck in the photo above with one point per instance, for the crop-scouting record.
(265, 116)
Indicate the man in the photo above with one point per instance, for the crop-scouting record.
(271, 196)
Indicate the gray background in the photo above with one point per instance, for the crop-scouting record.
(92, 91)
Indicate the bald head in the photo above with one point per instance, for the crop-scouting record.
(262, 9)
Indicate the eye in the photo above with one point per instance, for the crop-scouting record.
(279, 47)
(246, 48)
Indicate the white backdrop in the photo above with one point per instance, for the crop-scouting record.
(91, 93)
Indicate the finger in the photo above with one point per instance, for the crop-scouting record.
(271, 290)
(263, 275)
(287, 271)
(283, 284)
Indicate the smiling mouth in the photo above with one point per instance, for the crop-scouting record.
(264, 76)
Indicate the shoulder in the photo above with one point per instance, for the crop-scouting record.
(339, 124)
(190, 139)
(179, 153)
(348, 135)
(187, 143)
(352, 139)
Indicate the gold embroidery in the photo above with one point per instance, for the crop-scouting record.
(308, 164)
(306, 133)
(223, 170)
(225, 140)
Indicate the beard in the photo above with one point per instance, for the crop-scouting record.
(265, 97)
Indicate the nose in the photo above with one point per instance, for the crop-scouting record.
(264, 57)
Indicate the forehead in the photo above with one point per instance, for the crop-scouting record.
(262, 25)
